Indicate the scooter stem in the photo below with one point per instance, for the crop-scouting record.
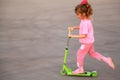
(66, 49)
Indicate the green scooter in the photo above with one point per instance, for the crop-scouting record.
(68, 71)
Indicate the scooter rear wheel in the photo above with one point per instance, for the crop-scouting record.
(94, 74)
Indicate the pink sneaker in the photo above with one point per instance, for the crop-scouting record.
(78, 71)
(110, 63)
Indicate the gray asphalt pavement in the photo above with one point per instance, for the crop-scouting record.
(33, 36)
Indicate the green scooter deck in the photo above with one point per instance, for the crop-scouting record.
(86, 74)
(68, 71)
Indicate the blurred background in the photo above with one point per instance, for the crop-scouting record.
(33, 35)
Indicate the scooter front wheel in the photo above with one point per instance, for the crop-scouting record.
(62, 72)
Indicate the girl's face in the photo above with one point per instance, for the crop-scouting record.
(80, 16)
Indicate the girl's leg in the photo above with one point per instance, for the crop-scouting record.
(80, 58)
(100, 57)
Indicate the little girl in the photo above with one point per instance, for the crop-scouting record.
(86, 37)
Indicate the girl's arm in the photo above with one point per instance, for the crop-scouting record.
(76, 27)
(78, 36)
(73, 28)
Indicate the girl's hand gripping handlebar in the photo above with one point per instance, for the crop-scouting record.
(69, 32)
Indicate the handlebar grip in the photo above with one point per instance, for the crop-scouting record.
(69, 37)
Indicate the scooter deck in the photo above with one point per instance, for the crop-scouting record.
(68, 71)
(86, 74)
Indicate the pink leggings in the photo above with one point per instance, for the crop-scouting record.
(87, 48)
